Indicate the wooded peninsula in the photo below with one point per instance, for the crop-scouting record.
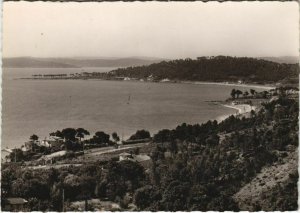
(224, 69)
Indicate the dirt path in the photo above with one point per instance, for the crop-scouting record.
(90, 155)
(102, 151)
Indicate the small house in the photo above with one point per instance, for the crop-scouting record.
(165, 80)
(44, 143)
(136, 158)
(14, 204)
(150, 78)
(5, 153)
(54, 141)
(125, 156)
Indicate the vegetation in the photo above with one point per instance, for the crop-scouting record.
(236, 93)
(72, 141)
(215, 69)
(115, 137)
(140, 134)
(81, 133)
(193, 167)
(34, 137)
(219, 68)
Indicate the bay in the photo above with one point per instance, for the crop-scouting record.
(43, 106)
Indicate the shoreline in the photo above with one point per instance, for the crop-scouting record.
(258, 86)
(241, 109)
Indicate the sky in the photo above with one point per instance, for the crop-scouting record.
(152, 29)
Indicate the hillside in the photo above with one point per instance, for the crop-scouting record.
(29, 62)
(220, 68)
(283, 59)
(271, 181)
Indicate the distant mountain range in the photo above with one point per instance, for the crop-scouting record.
(30, 62)
(78, 62)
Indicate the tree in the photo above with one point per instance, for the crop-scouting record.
(34, 187)
(34, 137)
(265, 93)
(131, 171)
(223, 203)
(238, 93)
(252, 91)
(57, 134)
(69, 133)
(198, 198)
(145, 196)
(246, 93)
(162, 136)
(79, 186)
(175, 196)
(81, 133)
(17, 155)
(122, 177)
(115, 137)
(233, 92)
(212, 140)
(101, 137)
(8, 176)
(140, 134)
(173, 147)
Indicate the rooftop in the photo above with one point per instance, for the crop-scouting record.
(16, 200)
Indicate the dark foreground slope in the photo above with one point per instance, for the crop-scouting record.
(220, 68)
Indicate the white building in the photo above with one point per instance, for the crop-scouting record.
(165, 80)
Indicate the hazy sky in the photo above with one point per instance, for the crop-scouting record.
(169, 30)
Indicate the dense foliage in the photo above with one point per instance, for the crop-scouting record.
(205, 170)
(220, 68)
(140, 134)
(44, 188)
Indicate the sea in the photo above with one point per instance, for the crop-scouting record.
(44, 106)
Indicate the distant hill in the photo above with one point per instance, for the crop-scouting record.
(219, 68)
(23, 62)
(283, 59)
(108, 62)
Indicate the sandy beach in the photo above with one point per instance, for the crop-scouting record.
(267, 87)
(240, 110)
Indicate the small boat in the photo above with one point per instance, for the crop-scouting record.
(128, 99)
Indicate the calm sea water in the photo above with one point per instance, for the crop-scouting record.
(43, 106)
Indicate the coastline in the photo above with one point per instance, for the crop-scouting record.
(222, 116)
(241, 109)
(230, 84)
(257, 86)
